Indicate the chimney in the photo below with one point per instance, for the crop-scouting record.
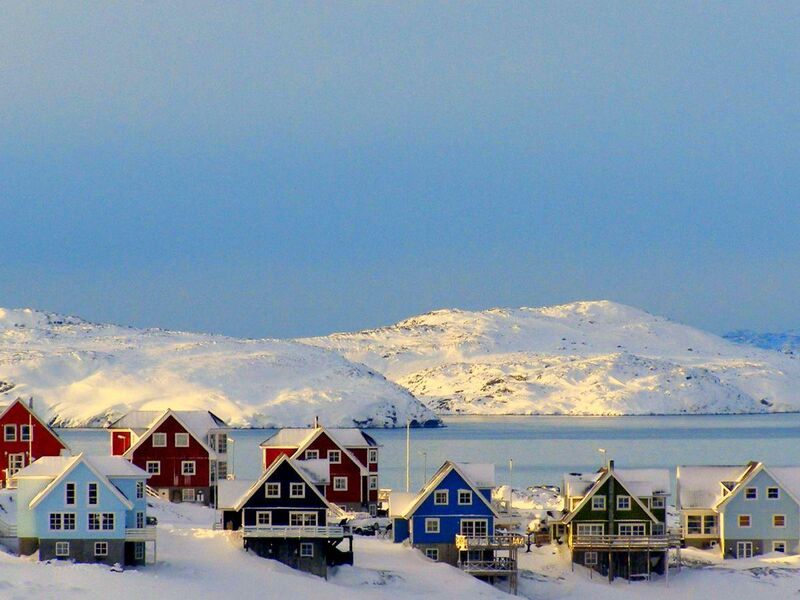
(611, 465)
(316, 422)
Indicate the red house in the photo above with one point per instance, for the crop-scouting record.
(353, 458)
(25, 437)
(182, 450)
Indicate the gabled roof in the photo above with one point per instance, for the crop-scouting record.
(481, 474)
(199, 421)
(169, 413)
(269, 472)
(293, 437)
(437, 478)
(700, 487)
(753, 470)
(7, 407)
(306, 437)
(58, 468)
(602, 476)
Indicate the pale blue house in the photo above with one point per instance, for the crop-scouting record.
(87, 509)
(742, 510)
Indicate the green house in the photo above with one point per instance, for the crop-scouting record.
(613, 521)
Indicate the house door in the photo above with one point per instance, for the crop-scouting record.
(744, 549)
(15, 463)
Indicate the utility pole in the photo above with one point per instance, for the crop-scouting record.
(408, 455)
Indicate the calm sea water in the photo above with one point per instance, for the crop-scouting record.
(544, 448)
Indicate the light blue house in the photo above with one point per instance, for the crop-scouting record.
(88, 509)
(452, 520)
(742, 510)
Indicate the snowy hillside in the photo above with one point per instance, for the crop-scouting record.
(787, 342)
(590, 358)
(83, 373)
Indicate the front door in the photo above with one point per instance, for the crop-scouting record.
(744, 549)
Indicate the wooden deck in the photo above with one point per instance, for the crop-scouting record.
(625, 542)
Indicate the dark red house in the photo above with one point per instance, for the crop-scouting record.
(178, 457)
(353, 458)
(25, 437)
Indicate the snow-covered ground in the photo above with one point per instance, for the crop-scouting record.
(591, 358)
(196, 562)
(81, 373)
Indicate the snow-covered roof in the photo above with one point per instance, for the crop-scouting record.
(53, 466)
(639, 482)
(480, 474)
(318, 471)
(399, 503)
(700, 487)
(294, 437)
(232, 490)
(788, 477)
(578, 484)
(47, 466)
(199, 421)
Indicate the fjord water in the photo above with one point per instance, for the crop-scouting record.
(544, 448)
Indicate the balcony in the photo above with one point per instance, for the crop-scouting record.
(277, 531)
(626, 542)
(143, 534)
(498, 566)
(492, 542)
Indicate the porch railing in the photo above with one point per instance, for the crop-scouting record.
(497, 541)
(143, 534)
(625, 542)
(497, 565)
(277, 531)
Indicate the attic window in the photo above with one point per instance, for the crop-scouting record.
(623, 502)
(159, 440)
(312, 454)
(751, 493)
(25, 433)
(181, 440)
(334, 456)
(10, 433)
(441, 497)
(773, 493)
(598, 503)
(464, 497)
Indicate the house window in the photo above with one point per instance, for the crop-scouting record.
(340, 484)
(92, 495)
(585, 529)
(778, 546)
(15, 463)
(69, 494)
(222, 443)
(590, 559)
(373, 510)
(432, 553)
(272, 490)
(658, 529)
(744, 520)
(140, 489)
(181, 440)
(598, 502)
(153, 467)
(779, 520)
(297, 490)
(335, 456)
(373, 455)
(188, 495)
(94, 521)
(10, 433)
(432, 525)
(475, 528)
(303, 519)
(188, 467)
(709, 524)
(441, 497)
(56, 521)
(694, 525)
(657, 502)
(373, 482)
(108, 521)
(69, 521)
(751, 493)
(222, 469)
(101, 548)
(306, 550)
(773, 493)
(263, 517)
(138, 551)
(464, 497)
(623, 502)
(631, 529)
(62, 548)
(312, 454)
(159, 440)
(25, 433)
(139, 520)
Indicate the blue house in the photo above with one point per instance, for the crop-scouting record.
(452, 520)
(87, 509)
(743, 510)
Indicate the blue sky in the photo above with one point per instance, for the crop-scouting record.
(299, 168)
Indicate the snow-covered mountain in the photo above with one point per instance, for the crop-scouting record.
(82, 373)
(592, 358)
(787, 342)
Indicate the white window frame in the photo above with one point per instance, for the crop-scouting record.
(139, 489)
(73, 519)
(12, 429)
(777, 492)
(97, 517)
(776, 543)
(59, 525)
(274, 485)
(188, 495)
(311, 454)
(779, 526)
(624, 498)
(159, 440)
(16, 462)
(372, 455)
(140, 520)
(101, 548)
(25, 427)
(306, 550)
(179, 437)
(105, 518)
(628, 529)
(432, 554)
(138, 551)
(593, 529)
(74, 487)
(340, 484)
(268, 519)
(590, 559)
(335, 457)
(373, 482)
(305, 515)
(598, 500)
(658, 502)
(739, 521)
(62, 549)
(188, 463)
(432, 525)
(153, 463)
(297, 489)
(446, 494)
(471, 497)
(89, 486)
(747, 490)
(484, 523)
